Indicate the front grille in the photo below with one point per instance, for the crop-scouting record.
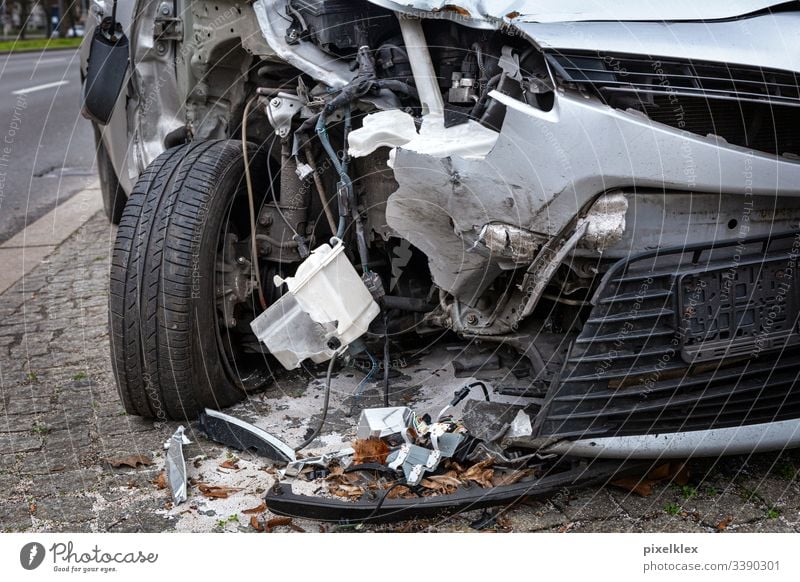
(747, 106)
(683, 339)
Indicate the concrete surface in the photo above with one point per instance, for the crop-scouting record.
(60, 418)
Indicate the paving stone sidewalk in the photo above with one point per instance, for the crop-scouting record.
(60, 417)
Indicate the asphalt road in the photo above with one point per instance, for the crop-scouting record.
(46, 147)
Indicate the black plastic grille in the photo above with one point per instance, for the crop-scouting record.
(686, 339)
(747, 106)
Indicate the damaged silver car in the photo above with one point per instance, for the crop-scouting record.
(608, 198)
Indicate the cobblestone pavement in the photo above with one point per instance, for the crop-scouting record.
(60, 418)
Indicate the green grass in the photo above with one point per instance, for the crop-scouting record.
(773, 513)
(672, 508)
(80, 376)
(39, 429)
(37, 44)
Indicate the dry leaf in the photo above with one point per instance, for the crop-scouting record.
(229, 465)
(677, 473)
(32, 508)
(216, 491)
(260, 509)
(639, 485)
(480, 473)
(161, 480)
(498, 480)
(255, 524)
(275, 522)
(342, 490)
(444, 484)
(371, 450)
(401, 492)
(131, 461)
(723, 525)
(296, 528)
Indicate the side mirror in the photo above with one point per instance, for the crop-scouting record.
(109, 54)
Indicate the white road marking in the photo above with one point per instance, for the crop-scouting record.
(39, 88)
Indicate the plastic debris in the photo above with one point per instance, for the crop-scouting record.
(176, 465)
(243, 436)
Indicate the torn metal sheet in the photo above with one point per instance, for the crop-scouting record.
(605, 222)
(384, 422)
(294, 468)
(414, 461)
(176, 465)
(243, 436)
(507, 241)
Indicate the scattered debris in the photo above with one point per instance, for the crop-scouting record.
(371, 450)
(161, 480)
(131, 461)
(216, 491)
(229, 464)
(296, 467)
(258, 509)
(643, 485)
(243, 436)
(271, 524)
(723, 525)
(176, 465)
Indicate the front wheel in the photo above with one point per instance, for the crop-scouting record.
(182, 294)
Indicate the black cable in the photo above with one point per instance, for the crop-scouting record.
(316, 432)
(385, 359)
(384, 497)
(483, 387)
(297, 237)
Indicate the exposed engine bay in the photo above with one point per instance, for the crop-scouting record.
(619, 224)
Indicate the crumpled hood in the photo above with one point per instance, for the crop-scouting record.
(546, 11)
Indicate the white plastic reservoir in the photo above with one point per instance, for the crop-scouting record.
(328, 288)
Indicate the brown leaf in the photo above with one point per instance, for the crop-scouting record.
(277, 521)
(342, 490)
(32, 508)
(255, 524)
(639, 485)
(131, 461)
(161, 480)
(216, 491)
(480, 473)
(371, 450)
(723, 525)
(444, 484)
(401, 492)
(229, 465)
(296, 528)
(509, 478)
(260, 509)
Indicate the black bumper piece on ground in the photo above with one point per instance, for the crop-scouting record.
(282, 501)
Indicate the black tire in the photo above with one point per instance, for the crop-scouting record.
(171, 355)
(114, 197)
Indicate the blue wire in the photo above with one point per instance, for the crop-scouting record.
(363, 383)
